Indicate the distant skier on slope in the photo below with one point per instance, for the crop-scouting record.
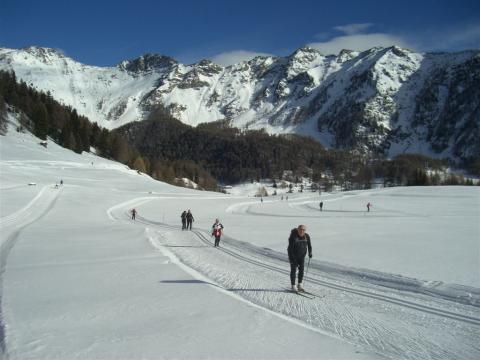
(368, 207)
(217, 229)
(298, 245)
(134, 213)
(321, 205)
(184, 219)
(190, 219)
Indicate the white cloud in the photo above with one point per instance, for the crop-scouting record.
(354, 38)
(233, 57)
(460, 37)
(61, 51)
(352, 29)
(360, 42)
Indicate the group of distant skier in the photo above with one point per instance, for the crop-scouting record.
(187, 220)
(61, 183)
(217, 227)
(369, 205)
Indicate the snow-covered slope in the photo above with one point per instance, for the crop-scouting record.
(80, 280)
(388, 100)
(109, 96)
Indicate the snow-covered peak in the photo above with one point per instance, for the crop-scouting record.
(48, 55)
(302, 60)
(148, 63)
(263, 60)
(397, 50)
(305, 52)
(394, 67)
(208, 67)
(346, 55)
(34, 57)
(39, 50)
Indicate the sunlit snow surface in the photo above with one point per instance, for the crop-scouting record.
(81, 280)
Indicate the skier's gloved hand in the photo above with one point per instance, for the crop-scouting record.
(310, 255)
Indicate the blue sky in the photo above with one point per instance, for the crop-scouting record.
(105, 32)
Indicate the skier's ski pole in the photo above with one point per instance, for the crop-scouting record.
(306, 272)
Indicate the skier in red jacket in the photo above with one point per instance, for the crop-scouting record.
(217, 229)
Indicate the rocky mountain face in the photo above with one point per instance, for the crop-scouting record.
(384, 100)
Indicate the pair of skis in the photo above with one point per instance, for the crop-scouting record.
(306, 294)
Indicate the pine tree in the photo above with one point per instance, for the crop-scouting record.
(95, 134)
(3, 116)
(40, 119)
(70, 141)
(169, 174)
(139, 164)
(120, 150)
(84, 135)
(103, 144)
(157, 170)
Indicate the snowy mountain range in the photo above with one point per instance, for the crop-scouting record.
(385, 100)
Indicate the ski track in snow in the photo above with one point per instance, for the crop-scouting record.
(13, 187)
(389, 321)
(11, 227)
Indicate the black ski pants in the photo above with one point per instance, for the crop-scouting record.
(189, 224)
(300, 264)
(217, 240)
(184, 224)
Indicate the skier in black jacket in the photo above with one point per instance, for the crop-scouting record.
(184, 219)
(190, 219)
(298, 245)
